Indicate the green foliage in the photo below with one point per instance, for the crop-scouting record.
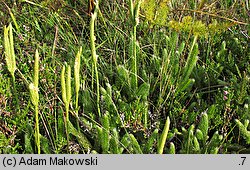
(172, 148)
(28, 136)
(135, 144)
(131, 144)
(151, 141)
(196, 141)
(202, 130)
(189, 66)
(80, 137)
(217, 27)
(243, 129)
(105, 133)
(114, 142)
(45, 145)
(5, 147)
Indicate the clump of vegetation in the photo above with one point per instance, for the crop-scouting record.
(156, 11)
(197, 27)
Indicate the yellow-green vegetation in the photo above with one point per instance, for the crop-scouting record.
(156, 11)
(150, 76)
(164, 136)
(33, 87)
(66, 96)
(10, 57)
(77, 67)
(9, 50)
(95, 56)
(197, 27)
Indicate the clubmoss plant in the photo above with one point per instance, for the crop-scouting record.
(77, 81)
(95, 56)
(66, 96)
(189, 66)
(134, 14)
(9, 49)
(33, 87)
(114, 142)
(10, 57)
(130, 143)
(196, 141)
(203, 128)
(104, 133)
(135, 144)
(243, 129)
